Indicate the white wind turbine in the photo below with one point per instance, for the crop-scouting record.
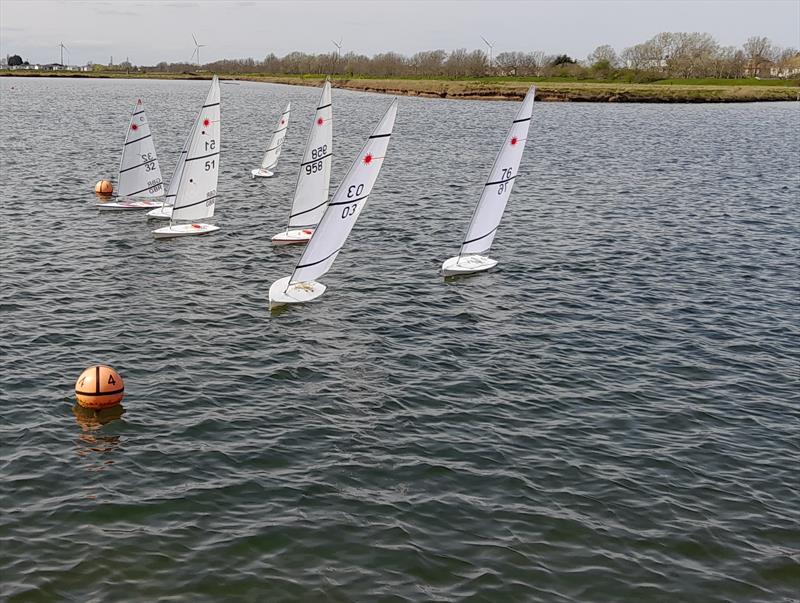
(338, 48)
(197, 48)
(63, 48)
(491, 48)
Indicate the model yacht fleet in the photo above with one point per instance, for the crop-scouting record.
(320, 224)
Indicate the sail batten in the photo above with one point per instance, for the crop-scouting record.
(346, 205)
(139, 173)
(313, 181)
(275, 145)
(197, 181)
(497, 190)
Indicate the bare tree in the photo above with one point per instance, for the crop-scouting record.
(605, 54)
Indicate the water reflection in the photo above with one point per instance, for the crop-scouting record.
(89, 442)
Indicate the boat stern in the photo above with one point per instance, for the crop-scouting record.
(281, 293)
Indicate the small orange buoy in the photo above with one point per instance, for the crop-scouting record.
(99, 387)
(103, 187)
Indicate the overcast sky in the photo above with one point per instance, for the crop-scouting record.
(148, 31)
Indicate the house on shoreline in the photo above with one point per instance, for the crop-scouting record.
(47, 67)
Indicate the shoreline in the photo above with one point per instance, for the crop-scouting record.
(590, 92)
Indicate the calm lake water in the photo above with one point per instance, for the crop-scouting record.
(611, 415)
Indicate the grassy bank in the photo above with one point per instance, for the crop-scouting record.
(507, 88)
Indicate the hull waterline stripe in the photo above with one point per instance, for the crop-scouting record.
(99, 393)
(317, 159)
(324, 106)
(517, 121)
(317, 262)
(174, 209)
(349, 201)
(201, 157)
(500, 181)
(211, 105)
(137, 140)
(159, 185)
(305, 211)
(380, 136)
(479, 238)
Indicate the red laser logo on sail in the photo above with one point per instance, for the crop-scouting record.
(134, 127)
(368, 159)
(513, 141)
(320, 121)
(206, 122)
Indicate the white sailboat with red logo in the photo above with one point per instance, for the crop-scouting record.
(139, 184)
(489, 211)
(197, 188)
(314, 179)
(270, 159)
(338, 220)
(165, 211)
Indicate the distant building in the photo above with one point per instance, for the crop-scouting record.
(50, 67)
(758, 69)
(788, 69)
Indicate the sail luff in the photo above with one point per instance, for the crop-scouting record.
(489, 210)
(139, 173)
(172, 189)
(346, 204)
(313, 179)
(197, 188)
(275, 145)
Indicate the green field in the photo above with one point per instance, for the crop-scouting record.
(706, 90)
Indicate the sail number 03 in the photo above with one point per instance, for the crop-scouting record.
(317, 155)
(354, 191)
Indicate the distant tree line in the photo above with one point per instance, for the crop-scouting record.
(666, 55)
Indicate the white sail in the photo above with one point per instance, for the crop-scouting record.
(172, 189)
(197, 187)
(276, 142)
(497, 189)
(313, 182)
(139, 172)
(346, 205)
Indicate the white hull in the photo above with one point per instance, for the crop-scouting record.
(293, 237)
(468, 264)
(161, 213)
(261, 173)
(282, 293)
(184, 230)
(129, 205)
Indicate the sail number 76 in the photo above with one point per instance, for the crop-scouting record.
(506, 177)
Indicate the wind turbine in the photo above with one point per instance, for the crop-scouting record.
(63, 48)
(197, 48)
(338, 47)
(491, 48)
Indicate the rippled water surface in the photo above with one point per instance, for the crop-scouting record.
(611, 414)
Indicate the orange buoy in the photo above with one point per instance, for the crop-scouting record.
(99, 387)
(103, 187)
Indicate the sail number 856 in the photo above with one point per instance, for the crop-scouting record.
(317, 155)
